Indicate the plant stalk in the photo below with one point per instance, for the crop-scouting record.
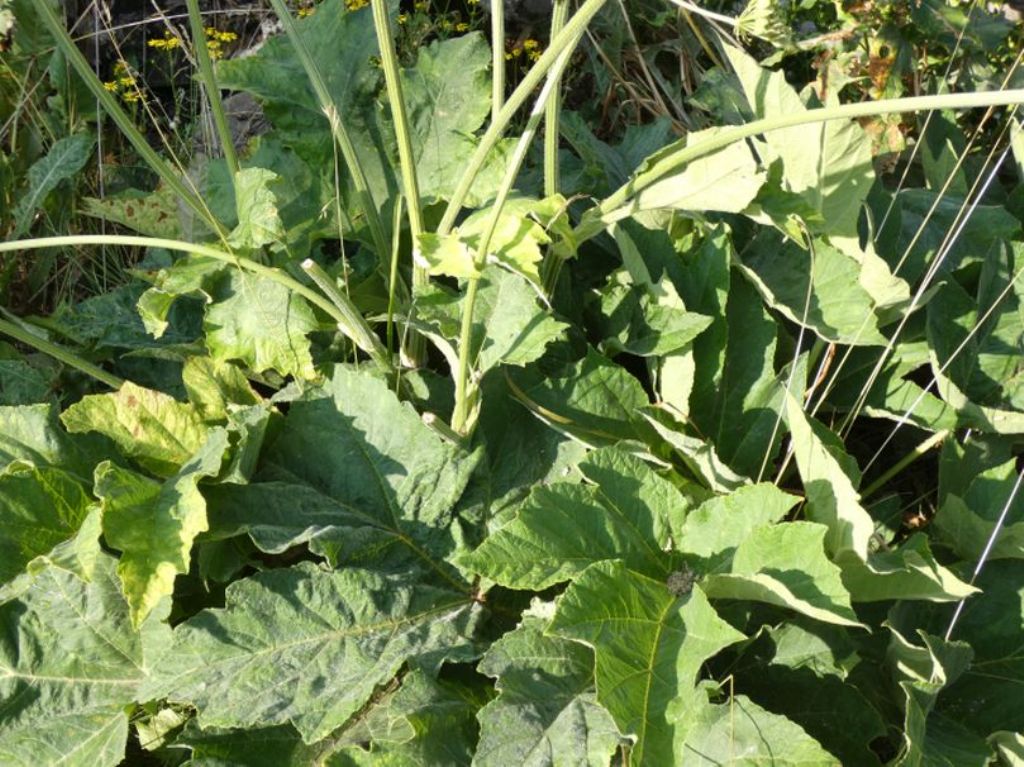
(553, 111)
(933, 441)
(338, 130)
(616, 207)
(415, 347)
(209, 81)
(66, 356)
(353, 326)
(342, 317)
(497, 58)
(460, 415)
(121, 119)
(567, 38)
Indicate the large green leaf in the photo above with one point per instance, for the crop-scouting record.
(720, 524)
(546, 712)
(968, 524)
(910, 572)
(519, 452)
(562, 529)
(344, 46)
(834, 713)
(593, 400)
(279, 746)
(992, 625)
(152, 427)
(447, 98)
(357, 473)
(828, 164)
(260, 322)
(70, 665)
(918, 226)
(907, 572)
(424, 722)
(509, 326)
(154, 524)
(816, 288)
(785, 565)
(740, 733)
(40, 507)
(921, 673)
(726, 180)
(975, 341)
(633, 321)
(22, 383)
(259, 223)
(309, 647)
(737, 395)
(832, 498)
(649, 645)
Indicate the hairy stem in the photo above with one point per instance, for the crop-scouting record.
(460, 416)
(415, 347)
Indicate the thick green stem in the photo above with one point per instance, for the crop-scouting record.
(339, 316)
(353, 326)
(616, 207)
(497, 58)
(415, 347)
(121, 118)
(460, 415)
(933, 441)
(66, 356)
(338, 130)
(209, 80)
(566, 39)
(553, 111)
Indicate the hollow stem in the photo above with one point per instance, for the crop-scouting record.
(353, 326)
(497, 58)
(553, 111)
(933, 441)
(460, 415)
(415, 346)
(66, 356)
(616, 207)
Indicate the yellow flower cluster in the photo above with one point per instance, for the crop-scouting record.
(355, 5)
(529, 47)
(216, 40)
(124, 84)
(166, 43)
